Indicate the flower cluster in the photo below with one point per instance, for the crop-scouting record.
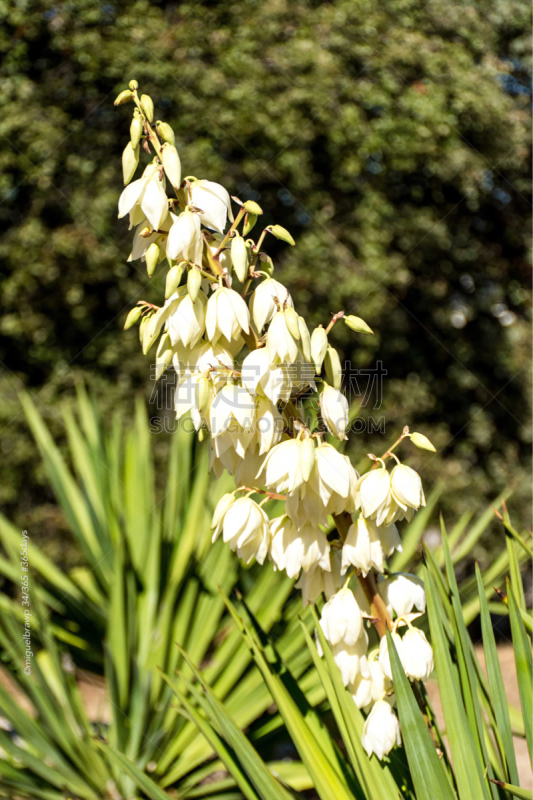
(248, 371)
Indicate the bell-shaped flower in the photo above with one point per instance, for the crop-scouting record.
(384, 657)
(373, 494)
(186, 322)
(402, 592)
(185, 242)
(245, 527)
(293, 550)
(141, 243)
(269, 425)
(186, 399)
(381, 730)
(268, 297)
(351, 659)
(227, 315)
(287, 465)
(363, 547)
(406, 487)
(233, 410)
(334, 410)
(259, 375)
(317, 581)
(213, 204)
(222, 506)
(372, 685)
(341, 619)
(417, 655)
(146, 195)
(281, 344)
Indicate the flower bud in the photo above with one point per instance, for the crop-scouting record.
(171, 163)
(130, 160)
(239, 257)
(173, 280)
(142, 327)
(147, 105)
(252, 207)
(132, 317)
(133, 85)
(357, 324)
(123, 97)
(332, 365)
(150, 333)
(291, 320)
(249, 223)
(152, 258)
(166, 132)
(305, 339)
(201, 392)
(194, 282)
(281, 233)
(136, 131)
(307, 458)
(319, 346)
(419, 440)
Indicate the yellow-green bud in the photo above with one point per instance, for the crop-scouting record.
(319, 345)
(173, 280)
(332, 365)
(201, 392)
(147, 105)
(249, 224)
(239, 257)
(171, 164)
(136, 131)
(163, 355)
(419, 440)
(152, 258)
(130, 161)
(202, 433)
(305, 339)
(142, 326)
(281, 233)
(133, 85)
(291, 320)
(151, 332)
(132, 317)
(307, 458)
(267, 265)
(123, 97)
(166, 132)
(357, 324)
(194, 281)
(252, 208)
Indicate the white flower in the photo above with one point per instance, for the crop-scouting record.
(213, 203)
(361, 689)
(233, 409)
(384, 657)
(406, 487)
(185, 241)
(293, 550)
(417, 655)
(373, 494)
(227, 314)
(262, 302)
(287, 464)
(245, 527)
(351, 659)
(317, 580)
(363, 547)
(257, 374)
(401, 592)
(186, 322)
(223, 505)
(269, 425)
(141, 243)
(341, 618)
(147, 194)
(381, 730)
(281, 344)
(334, 410)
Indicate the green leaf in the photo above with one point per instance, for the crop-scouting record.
(522, 655)
(525, 794)
(145, 783)
(429, 777)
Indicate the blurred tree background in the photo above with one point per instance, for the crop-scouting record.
(390, 138)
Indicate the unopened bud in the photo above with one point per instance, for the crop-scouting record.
(166, 132)
(130, 160)
(171, 164)
(133, 85)
(163, 355)
(319, 346)
(252, 208)
(281, 233)
(202, 433)
(305, 339)
(239, 257)
(152, 258)
(145, 233)
(249, 223)
(419, 440)
(123, 97)
(201, 392)
(357, 324)
(150, 333)
(291, 320)
(267, 265)
(147, 105)
(173, 280)
(194, 281)
(307, 458)
(142, 326)
(332, 365)
(136, 131)
(132, 317)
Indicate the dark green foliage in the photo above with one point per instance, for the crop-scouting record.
(390, 139)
